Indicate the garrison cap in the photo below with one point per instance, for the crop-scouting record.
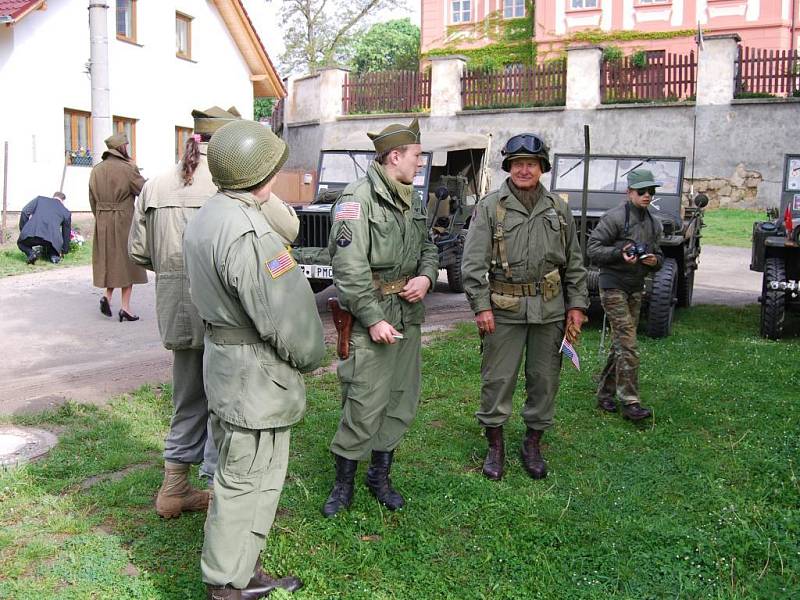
(211, 119)
(244, 153)
(116, 141)
(642, 178)
(395, 135)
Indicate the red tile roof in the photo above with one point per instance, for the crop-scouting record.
(18, 8)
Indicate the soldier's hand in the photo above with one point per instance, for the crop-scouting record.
(575, 320)
(485, 322)
(650, 260)
(383, 333)
(415, 289)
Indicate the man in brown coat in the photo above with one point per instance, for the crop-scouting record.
(113, 186)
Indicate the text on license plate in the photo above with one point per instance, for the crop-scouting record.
(317, 271)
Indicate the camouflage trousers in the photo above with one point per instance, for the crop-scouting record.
(620, 376)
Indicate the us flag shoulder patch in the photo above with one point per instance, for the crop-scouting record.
(347, 211)
(283, 263)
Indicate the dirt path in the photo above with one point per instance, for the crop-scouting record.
(57, 345)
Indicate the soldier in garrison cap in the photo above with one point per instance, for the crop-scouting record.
(166, 204)
(262, 331)
(522, 237)
(113, 185)
(626, 246)
(383, 265)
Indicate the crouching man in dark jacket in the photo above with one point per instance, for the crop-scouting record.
(625, 244)
(45, 222)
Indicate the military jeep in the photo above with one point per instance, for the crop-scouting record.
(673, 284)
(452, 179)
(776, 254)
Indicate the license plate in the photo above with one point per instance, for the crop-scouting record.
(317, 271)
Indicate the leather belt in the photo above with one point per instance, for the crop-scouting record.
(533, 288)
(389, 287)
(233, 336)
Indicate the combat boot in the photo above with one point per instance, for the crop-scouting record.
(341, 495)
(176, 495)
(262, 580)
(379, 483)
(636, 412)
(494, 464)
(532, 459)
(607, 404)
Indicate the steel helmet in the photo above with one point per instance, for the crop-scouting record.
(526, 145)
(244, 153)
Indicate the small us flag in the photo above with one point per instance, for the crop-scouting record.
(281, 264)
(570, 353)
(347, 211)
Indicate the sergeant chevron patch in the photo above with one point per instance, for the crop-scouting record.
(283, 263)
(345, 236)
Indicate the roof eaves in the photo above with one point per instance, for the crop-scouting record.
(18, 14)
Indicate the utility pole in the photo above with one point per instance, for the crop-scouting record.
(98, 72)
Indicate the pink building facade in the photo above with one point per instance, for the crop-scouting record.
(769, 24)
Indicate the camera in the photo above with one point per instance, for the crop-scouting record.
(636, 249)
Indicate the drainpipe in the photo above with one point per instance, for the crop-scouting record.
(98, 72)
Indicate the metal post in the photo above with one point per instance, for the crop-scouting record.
(5, 193)
(98, 71)
(585, 194)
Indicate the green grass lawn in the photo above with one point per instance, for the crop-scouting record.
(701, 503)
(13, 261)
(730, 226)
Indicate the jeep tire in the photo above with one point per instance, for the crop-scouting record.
(773, 302)
(663, 298)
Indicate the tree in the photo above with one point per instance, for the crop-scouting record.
(318, 33)
(262, 108)
(387, 46)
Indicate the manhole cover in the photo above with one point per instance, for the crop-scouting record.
(19, 445)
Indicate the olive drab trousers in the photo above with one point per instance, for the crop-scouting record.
(247, 487)
(620, 376)
(380, 393)
(503, 351)
(189, 439)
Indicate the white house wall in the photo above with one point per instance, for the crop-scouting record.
(42, 72)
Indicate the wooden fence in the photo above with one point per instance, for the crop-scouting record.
(773, 72)
(386, 91)
(663, 77)
(539, 85)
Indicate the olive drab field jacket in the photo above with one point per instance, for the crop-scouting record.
(155, 242)
(619, 226)
(533, 261)
(262, 325)
(375, 245)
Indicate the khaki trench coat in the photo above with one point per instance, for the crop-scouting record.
(162, 211)
(113, 185)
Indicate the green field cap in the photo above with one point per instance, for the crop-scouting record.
(395, 135)
(642, 178)
(211, 119)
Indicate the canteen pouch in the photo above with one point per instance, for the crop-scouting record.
(551, 285)
(501, 302)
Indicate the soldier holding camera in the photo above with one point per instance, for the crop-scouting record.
(625, 244)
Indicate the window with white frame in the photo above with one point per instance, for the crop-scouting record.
(513, 8)
(583, 3)
(461, 11)
(654, 1)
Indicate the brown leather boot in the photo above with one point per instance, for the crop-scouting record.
(290, 583)
(635, 412)
(176, 495)
(225, 592)
(495, 461)
(532, 459)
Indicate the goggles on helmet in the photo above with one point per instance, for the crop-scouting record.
(527, 142)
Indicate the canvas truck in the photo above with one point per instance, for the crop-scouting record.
(452, 178)
(673, 284)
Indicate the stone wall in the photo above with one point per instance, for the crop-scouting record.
(738, 191)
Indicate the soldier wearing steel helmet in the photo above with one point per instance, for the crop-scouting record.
(262, 332)
(525, 280)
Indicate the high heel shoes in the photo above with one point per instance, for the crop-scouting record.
(105, 307)
(125, 316)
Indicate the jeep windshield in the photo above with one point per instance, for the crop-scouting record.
(610, 174)
(339, 168)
